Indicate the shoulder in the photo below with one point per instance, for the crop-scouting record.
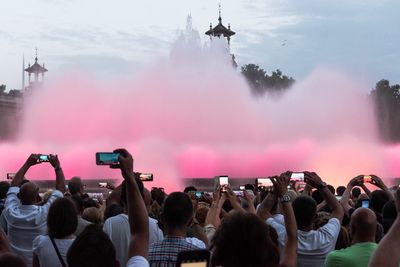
(39, 242)
(137, 261)
(332, 227)
(195, 242)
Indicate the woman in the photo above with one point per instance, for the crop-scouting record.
(51, 250)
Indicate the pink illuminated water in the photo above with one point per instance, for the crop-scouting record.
(192, 115)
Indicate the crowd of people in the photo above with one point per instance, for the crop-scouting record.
(290, 223)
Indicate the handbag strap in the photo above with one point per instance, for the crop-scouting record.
(58, 252)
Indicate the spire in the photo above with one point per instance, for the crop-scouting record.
(219, 17)
(36, 59)
(23, 72)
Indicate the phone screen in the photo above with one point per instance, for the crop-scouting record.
(107, 158)
(365, 203)
(146, 177)
(103, 185)
(223, 180)
(298, 176)
(264, 182)
(10, 176)
(242, 187)
(44, 158)
(367, 179)
(194, 264)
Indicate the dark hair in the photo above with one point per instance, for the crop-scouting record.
(340, 190)
(92, 248)
(189, 188)
(75, 185)
(113, 210)
(62, 219)
(389, 215)
(11, 259)
(378, 199)
(177, 210)
(245, 240)
(123, 200)
(316, 195)
(305, 209)
(158, 195)
(4, 186)
(356, 192)
(331, 188)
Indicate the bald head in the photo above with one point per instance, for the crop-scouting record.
(28, 193)
(363, 225)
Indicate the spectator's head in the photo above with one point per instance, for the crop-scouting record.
(92, 248)
(190, 188)
(11, 259)
(75, 186)
(389, 215)
(123, 200)
(177, 211)
(29, 193)
(4, 186)
(249, 187)
(245, 240)
(201, 215)
(158, 195)
(62, 219)
(92, 215)
(316, 195)
(377, 200)
(305, 209)
(113, 210)
(331, 188)
(363, 225)
(355, 192)
(340, 190)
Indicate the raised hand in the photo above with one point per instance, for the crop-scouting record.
(33, 159)
(54, 161)
(125, 162)
(312, 179)
(378, 182)
(280, 184)
(357, 181)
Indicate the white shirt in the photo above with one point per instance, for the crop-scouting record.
(137, 261)
(312, 246)
(46, 252)
(117, 228)
(23, 223)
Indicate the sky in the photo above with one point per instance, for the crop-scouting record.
(111, 38)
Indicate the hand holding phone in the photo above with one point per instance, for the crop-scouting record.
(367, 179)
(10, 176)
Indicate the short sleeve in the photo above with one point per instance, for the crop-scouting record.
(332, 228)
(196, 242)
(37, 244)
(279, 228)
(137, 261)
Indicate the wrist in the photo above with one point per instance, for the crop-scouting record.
(322, 185)
(57, 168)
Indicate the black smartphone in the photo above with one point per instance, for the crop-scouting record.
(43, 158)
(10, 176)
(107, 158)
(193, 258)
(146, 177)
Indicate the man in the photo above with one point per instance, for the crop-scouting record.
(117, 227)
(22, 219)
(176, 216)
(4, 186)
(312, 245)
(362, 229)
(75, 186)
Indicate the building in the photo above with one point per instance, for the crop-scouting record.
(221, 31)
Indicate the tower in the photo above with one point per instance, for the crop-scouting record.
(36, 70)
(221, 30)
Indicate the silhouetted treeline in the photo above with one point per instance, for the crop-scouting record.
(387, 107)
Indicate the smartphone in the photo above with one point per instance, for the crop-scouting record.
(264, 182)
(242, 187)
(223, 180)
(103, 185)
(193, 258)
(238, 193)
(297, 176)
(107, 158)
(198, 194)
(365, 203)
(146, 177)
(43, 158)
(367, 179)
(10, 176)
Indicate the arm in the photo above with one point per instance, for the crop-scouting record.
(249, 201)
(137, 212)
(264, 210)
(289, 258)
(19, 176)
(233, 199)
(379, 183)
(307, 190)
(60, 178)
(315, 181)
(344, 201)
(390, 244)
(366, 190)
(4, 244)
(35, 260)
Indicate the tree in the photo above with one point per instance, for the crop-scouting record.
(2, 89)
(260, 82)
(387, 107)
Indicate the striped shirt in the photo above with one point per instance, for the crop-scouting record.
(165, 253)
